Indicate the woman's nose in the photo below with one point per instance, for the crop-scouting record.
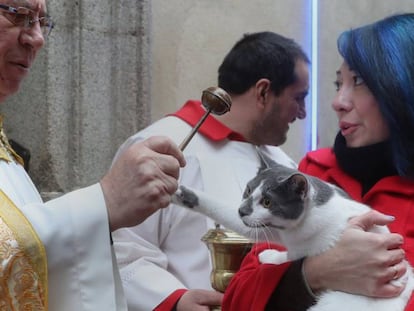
(342, 101)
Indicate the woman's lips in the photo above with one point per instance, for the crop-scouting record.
(347, 128)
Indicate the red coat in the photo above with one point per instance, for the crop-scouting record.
(252, 286)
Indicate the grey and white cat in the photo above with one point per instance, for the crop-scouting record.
(304, 214)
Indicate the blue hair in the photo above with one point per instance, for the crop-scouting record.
(382, 53)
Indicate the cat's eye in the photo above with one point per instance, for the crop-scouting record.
(266, 203)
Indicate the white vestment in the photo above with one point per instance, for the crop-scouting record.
(82, 271)
(165, 253)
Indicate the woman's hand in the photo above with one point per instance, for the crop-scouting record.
(361, 262)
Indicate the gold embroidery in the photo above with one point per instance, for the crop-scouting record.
(23, 263)
(6, 151)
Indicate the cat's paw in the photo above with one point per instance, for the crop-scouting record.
(185, 197)
(272, 256)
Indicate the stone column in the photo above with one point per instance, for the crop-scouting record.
(88, 91)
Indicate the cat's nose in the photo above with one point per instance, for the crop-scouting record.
(243, 211)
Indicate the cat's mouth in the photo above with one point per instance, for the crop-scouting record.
(254, 225)
(276, 226)
(262, 225)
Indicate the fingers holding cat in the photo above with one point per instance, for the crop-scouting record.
(368, 220)
(395, 266)
(361, 262)
(141, 181)
(396, 271)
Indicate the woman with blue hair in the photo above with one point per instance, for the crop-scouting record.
(372, 159)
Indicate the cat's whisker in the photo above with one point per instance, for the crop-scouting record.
(273, 236)
(248, 234)
(260, 231)
(253, 234)
(267, 230)
(256, 232)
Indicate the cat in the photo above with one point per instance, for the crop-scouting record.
(301, 212)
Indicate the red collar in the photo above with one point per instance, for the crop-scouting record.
(192, 111)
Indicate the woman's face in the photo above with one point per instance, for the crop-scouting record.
(359, 118)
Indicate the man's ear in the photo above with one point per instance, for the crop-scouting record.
(262, 88)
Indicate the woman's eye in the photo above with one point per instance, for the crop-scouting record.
(358, 80)
(337, 85)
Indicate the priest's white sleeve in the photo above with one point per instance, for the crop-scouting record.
(82, 273)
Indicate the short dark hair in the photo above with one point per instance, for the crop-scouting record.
(382, 53)
(257, 56)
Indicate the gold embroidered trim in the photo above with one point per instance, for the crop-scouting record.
(23, 261)
(6, 151)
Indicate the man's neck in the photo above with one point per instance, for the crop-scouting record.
(241, 116)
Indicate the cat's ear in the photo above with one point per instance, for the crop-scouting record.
(298, 183)
(265, 161)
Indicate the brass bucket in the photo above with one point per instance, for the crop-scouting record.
(227, 250)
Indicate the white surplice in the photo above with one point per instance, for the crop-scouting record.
(82, 271)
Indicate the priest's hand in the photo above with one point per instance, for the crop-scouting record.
(141, 181)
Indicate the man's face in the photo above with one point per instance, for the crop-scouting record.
(283, 109)
(18, 46)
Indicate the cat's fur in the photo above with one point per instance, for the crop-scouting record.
(304, 214)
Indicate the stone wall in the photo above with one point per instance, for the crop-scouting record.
(88, 91)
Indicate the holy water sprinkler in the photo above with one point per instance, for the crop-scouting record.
(215, 100)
